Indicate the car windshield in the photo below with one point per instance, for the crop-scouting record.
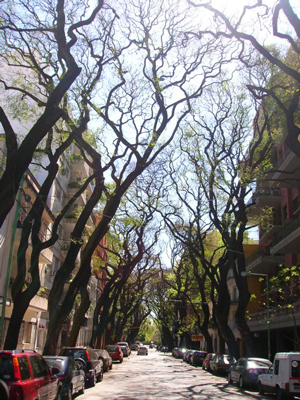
(6, 369)
(75, 353)
(56, 363)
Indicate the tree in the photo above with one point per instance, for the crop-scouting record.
(41, 58)
(284, 22)
(136, 125)
(220, 169)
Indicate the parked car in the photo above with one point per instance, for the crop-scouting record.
(283, 377)
(106, 358)
(125, 350)
(206, 361)
(178, 352)
(197, 357)
(246, 370)
(25, 374)
(187, 355)
(142, 350)
(115, 352)
(221, 363)
(90, 363)
(134, 347)
(125, 344)
(70, 375)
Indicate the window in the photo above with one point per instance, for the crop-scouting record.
(6, 369)
(27, 332)
(24, 368)
(295, 369)
(39, 366)
(276, 367)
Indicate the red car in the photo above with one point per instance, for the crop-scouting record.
(115, 352)
(25, 374)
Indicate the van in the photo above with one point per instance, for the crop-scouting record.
(283, 377)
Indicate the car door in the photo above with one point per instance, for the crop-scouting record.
(73, 371)
(46, 384)
(235, 370)
(240, 368)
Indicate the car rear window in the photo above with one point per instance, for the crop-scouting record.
(256, 364)
(112, 348)
(295, 368)
(6, 369)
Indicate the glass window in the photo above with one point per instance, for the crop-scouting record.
(39, 366)
(24, 368)
(35, 367)
(276, 367)
(295, 368)
(6, 369)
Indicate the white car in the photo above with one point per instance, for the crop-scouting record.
(283, 378)
(142, 350)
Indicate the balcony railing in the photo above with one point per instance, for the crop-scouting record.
(262, 251)
(266, 192)
(263, 192)
(287, 230)
(282, 158)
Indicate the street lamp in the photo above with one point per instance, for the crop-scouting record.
(248, 273)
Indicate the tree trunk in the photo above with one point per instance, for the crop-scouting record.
(21, 304)
(79, 317)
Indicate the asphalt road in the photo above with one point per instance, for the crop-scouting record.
(161, 376)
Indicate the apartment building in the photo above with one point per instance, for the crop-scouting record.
(276, 201)
(73, 170)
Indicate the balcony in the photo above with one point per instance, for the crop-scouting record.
(287, 240)
(263, 262)
(263, 197)
(279, 318)
(286, 171)
(269, 233)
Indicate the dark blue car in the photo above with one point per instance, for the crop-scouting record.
(72, 378)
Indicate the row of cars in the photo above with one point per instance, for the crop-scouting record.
(212, 362)
(26, 374)
(282, 377)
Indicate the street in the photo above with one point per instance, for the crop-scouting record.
(161, 376)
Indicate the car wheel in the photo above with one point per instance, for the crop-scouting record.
(68, 396)
(241, 382)
(279, 394)
(229, 378)
(93, 380)
(81, 391)
(110, 367)
(4, 391)
(100, 376)
(121, 360)
(260, 388)
(59, 395)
